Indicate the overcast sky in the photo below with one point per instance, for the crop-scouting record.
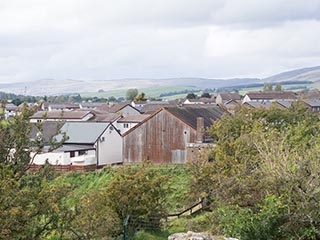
(114, 39)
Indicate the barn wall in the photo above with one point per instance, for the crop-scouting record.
(161, 139)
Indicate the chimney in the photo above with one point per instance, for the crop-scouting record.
(200, 130)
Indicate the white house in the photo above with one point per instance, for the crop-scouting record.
(88, 143)
(126, 123)
(59, 115)
(269, 96)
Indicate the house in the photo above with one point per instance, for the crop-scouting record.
(123, 109)
(88, 145)
(65, 106)
(312, 104)
(164, 136)
(285, 103)
(58, 115)
(266, 105)
(105, 117)
(269, 96)
(313, 94)
(150, 108)
(232, 105)
(124, 124)
(45, 131)
(90, 105)
(10, 110)
(225, 97)
(193, 101)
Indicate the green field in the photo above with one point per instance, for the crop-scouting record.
(176, 92)
(153, 92)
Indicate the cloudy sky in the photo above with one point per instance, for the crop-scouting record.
(114, 39)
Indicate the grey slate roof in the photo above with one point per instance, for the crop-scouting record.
(83, 132)
(49, 129)
(189, 114)
(312, 102)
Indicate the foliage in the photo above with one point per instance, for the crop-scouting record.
(131, 94)
(267, 87)
(278, 87)
(95, 218)
(205, 95)
(191, 96)
(138, 191)
(264, 178)
(141, 97)
(265, 223)
(30, 206)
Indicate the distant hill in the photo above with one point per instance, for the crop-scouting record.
(303, 74)
(58, 87)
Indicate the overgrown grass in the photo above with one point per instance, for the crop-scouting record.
(178, 183)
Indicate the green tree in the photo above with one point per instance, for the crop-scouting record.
(131, 94)
(278, 87)
(141, 97)
(30, 206)
(96, 219)
(191, 96)
(267, 87)
(205, 95)
(138, 191)
(263, 181)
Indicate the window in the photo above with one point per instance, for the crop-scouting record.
(72, 154)
(126, 125)
(82, 152)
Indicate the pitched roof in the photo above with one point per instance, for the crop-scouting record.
(285, 103)
(230, 96)
(59, 105)
(151, 108)
(266, 105)
(271, 95)
(49, 129)
(91, 104)
(11, 107)
(83, 132)
(58, 114)
(312, 102)
(105, 117)
(314, 94)
(189, 114)
(134, 118)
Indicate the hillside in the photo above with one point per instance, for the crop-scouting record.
(303, 74)
(69, 86)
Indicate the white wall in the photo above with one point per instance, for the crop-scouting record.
(59, 158)
(122, 129)
(109, 150)
(128, 110)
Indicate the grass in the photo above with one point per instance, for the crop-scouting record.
(178, 181)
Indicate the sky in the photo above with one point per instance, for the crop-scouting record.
(116, 39)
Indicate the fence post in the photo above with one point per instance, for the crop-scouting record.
(125, 223)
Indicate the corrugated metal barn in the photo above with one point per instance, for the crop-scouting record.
(164, 136)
